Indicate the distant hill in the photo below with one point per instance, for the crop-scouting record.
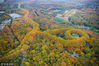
(1, 1)
(75, 3)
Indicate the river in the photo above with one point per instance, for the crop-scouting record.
(13, 15)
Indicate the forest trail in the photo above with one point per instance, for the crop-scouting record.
(50, 35)
(22, 47)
